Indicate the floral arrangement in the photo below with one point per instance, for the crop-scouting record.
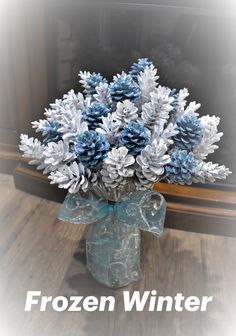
(124, 135)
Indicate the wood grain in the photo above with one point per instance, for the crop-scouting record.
(202, 194)
(38, 252)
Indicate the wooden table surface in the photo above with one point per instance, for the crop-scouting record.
(38, 252)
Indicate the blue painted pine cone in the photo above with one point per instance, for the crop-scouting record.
(135, 137)
(182, 167)
(190, 132)
(124, 87)
(94, 113)
(138, 67)
(50, 132)
(92, 82)
(91, 149)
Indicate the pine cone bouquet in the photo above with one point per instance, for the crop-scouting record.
(124, 135)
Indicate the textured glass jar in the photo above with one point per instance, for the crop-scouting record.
(113, 241)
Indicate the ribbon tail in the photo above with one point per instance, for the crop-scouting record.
(144, 210)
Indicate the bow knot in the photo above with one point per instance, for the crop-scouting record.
(143, 210)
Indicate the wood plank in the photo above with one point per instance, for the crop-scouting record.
(198, 222)
(9, 158)
(203, 194)
(181, 207)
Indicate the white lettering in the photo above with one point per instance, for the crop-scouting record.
(178, 299)
(162, 300)
(44, 302)
(29, 299)
(148, 300)
(152, 302)
(135, 300)
(192, 303)
(90, 303)
(75, 303)
(205, 301)
(56, 306)
(111, 305)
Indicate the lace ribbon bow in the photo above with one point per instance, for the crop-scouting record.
(143, 210)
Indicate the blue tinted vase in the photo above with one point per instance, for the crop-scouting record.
(113, 240)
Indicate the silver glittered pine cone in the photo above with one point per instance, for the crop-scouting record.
(210, 136)
(75, 100)
(73, 177)
(102, 94)
(147, 80)
(152, 160)
(109, 127)
(158, 109)
(72, 124)
(58, 153)
(116, 168)
(166, 134)
(140, 181)
(34, 149)
(126, 111)
(209, 172)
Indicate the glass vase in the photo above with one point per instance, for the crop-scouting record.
(113, 240)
